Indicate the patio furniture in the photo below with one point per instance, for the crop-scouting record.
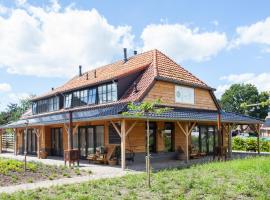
(72, 156)
(99, 157)
(194, 153)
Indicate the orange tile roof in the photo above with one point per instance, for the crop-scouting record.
(154, 63)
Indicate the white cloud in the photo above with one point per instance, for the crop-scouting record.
(5, 87)
(261, 81)
(3, 9)
(215, 22)
(53, 41)
(183, 43)
(258, 33)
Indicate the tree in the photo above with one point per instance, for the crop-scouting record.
(238, 94)
(13, 111)
(146, 109)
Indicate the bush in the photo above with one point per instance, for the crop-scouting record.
(249, 144)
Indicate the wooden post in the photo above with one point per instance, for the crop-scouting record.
(219, 129)
(230, 141)
(25, 146)
(37, 132)
(123, 144)
(15, 141)
(187, 129)
(187, 148)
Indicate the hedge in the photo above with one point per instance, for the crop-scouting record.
(249, 144)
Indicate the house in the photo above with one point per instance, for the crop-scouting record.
(86, 112)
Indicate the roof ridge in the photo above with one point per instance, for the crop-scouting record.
(155, 62)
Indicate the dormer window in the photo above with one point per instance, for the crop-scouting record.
(107, 93)
(46, 105)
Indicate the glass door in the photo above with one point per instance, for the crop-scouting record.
(57, 141)
(82, 139)
(90, 141)
(207, 139)
(31, 142)
(89, 138)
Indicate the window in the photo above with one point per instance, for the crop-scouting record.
(56, 103)
(68, 99)
(184, 95)
(107, 93)
(45, 105)
(83, 97)
(50, 102)
(92, 96)
(76, 99)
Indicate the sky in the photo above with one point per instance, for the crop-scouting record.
(42, 42)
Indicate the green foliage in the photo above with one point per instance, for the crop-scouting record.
(145, 108)
(14, 111)
(249, 144)
(238, 96)
(8, 166)
(237, 179)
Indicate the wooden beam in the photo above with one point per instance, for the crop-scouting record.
(181, 127)
(191, 128)
(75, 129)
(116, 128)
(131, 127)
(66, 128)
(123, 144)
(37, 132)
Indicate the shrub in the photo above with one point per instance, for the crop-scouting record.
(249, 144)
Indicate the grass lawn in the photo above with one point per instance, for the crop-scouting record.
(238, 179)
(12, 172)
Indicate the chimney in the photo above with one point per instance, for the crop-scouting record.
(95, 73)
(87, 76)
(125, 55)
(80, 70)
(135, 52)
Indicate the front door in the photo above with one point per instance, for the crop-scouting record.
(57, 142)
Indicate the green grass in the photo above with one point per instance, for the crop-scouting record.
(238, 179)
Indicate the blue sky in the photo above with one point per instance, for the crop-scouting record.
(43, 42)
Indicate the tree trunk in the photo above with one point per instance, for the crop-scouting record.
(148, 167)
